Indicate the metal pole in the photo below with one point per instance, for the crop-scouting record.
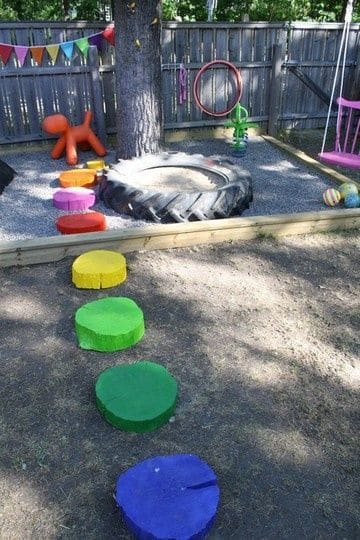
(211, 7)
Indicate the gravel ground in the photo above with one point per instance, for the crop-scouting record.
(281, 185)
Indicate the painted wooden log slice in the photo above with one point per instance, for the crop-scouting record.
(95, 164)
(169, 497)
(99, 269)
(74, 199)
(78, 178)
(109, 324)
(81, 223)
(136, 397)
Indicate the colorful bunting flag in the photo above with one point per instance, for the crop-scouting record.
(109, 34)
(21, 53)
(83, 45)
(37, 54)
(96, 40)
(53, 51)
(68, 48)
(5, 52)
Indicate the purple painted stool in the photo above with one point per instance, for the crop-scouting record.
(74, 198)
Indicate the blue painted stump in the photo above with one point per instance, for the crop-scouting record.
(168, 497)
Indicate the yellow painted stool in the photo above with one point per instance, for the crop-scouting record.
(99, 269)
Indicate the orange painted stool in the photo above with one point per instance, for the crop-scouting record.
(78, 178)
(81, 223)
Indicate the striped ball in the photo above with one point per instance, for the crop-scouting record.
(331, 197)
(347, 189)
(352, 200)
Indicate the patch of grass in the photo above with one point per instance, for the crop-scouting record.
(262, 235)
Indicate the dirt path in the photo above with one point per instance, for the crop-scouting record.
(263, 338)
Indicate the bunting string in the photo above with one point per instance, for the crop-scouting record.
(67, 47)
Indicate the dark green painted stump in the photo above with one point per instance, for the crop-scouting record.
(136, 397)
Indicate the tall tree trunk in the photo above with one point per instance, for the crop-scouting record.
(138, 77)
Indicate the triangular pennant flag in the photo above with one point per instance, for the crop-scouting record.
(68, 48)
(83, 45)
(96, 39)
(5, 52)
(109, 34)
(53, 51)
(21, 53)
(37, 54)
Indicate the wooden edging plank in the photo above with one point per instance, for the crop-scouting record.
(311, 162)
(152, 237)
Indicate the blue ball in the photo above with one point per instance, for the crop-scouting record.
(352, 200)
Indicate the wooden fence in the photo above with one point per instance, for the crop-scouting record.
(284, 68)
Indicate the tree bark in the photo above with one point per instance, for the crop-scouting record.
(139, 118)
(66, 8)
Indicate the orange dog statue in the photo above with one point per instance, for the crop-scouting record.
(71, 136)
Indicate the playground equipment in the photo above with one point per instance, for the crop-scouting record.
(78, 178)
(346, 150)
(174, 496)
(81, 223)
(71, 136)
(119, 192)
(198, 84)
(352, 200)
(6, 175)
(74, 199)
(347, 193)
(345, 153)
(109, 324)
(347, 189)
(240, 124)
(99, 269)
(331, 197)
(137, 397)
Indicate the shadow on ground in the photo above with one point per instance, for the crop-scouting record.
(262, 338)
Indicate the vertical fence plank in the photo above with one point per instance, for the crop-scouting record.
(275, 89)
(196, 58)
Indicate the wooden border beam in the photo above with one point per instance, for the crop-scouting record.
(311, 162)
(152, 237)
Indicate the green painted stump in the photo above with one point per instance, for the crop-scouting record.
(109, 324)
(136, 397)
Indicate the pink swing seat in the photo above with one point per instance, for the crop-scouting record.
(346, 152)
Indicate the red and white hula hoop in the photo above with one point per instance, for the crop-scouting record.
(239, 86)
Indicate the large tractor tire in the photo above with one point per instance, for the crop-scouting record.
(6, 175)
(119, 191)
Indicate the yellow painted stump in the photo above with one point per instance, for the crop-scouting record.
(95, 164)
(99, 269)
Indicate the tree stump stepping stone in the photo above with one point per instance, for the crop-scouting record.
(74, 199)
(95, 164)
(137, 397)
(78, 178)
(168, 497)
(81, 223)
(109, 324)
(99, 269)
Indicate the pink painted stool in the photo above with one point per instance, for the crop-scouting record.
(74, 199)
